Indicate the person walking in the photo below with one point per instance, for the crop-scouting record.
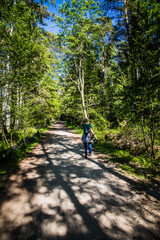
(87, 136)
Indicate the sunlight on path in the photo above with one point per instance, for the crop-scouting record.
(57, 194)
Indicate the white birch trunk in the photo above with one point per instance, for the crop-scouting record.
(81, 87)
(6, 109)
(82, 95)
(19, 105)
(80, 83)
(6, 96)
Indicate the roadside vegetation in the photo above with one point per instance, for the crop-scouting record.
(103, 64)
(11, 155)
(125, 148)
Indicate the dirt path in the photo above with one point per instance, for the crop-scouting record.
(58, 195)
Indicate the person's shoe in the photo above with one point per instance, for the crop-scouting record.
(85, 155)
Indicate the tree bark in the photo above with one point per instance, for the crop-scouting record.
(80, 83)
(5, 107)
(19, 105)
(103, 70)
(103, 63)
(82, 95)
(127, 21)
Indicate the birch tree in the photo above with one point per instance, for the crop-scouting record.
(24, 57)
(76, 24)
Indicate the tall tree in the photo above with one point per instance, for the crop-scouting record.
(24, 55)
(76, 25)
(104, 28)
(138, 48)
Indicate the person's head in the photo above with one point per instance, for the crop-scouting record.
(85, 120)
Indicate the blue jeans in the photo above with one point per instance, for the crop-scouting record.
(89, 145)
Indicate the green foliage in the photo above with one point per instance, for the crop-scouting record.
(98, 121)
(120, 71)
(71, 109)
(29, 87)
(110, 72)
(15, 156)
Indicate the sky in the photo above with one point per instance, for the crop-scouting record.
(52, 9)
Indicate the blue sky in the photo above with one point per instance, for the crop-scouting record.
(52, 9)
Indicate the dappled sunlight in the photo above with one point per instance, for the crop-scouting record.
(57, 194)
(11, 210)
(53, 228)
(62, 133)
(33, 174)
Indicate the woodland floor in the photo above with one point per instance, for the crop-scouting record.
(56, 194)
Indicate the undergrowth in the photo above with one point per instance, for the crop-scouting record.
(10, 161)
(128, 155)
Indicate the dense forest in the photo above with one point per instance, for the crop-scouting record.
(103, 64)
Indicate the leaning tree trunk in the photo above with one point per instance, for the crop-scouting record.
(80, 83)
(82, 95)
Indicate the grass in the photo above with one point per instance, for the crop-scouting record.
(126, 161)
(17, 156)
(122, 158)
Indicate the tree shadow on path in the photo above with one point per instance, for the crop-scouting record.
(59, 195)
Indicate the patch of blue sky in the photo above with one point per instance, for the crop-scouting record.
(50, 25)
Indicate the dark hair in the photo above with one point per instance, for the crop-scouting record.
(85, 120)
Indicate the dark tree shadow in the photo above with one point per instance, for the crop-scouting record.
(63, 178)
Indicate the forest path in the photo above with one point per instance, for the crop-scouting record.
(56, 194)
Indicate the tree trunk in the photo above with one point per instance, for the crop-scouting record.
(103, 65)
(5, 107)
(19, 105)
(103, 70)
(81, 77)
(83, 103)
(137, 73)
(80, 83)
(127, 21)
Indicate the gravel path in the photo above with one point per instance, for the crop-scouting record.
(56, 194)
